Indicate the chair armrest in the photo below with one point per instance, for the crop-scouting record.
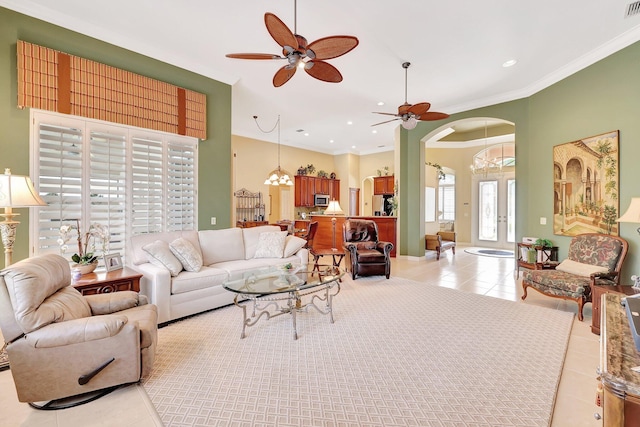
(76, 331)
(113, 302)
(448, 235)
(432, 241)
(351, 248)
(385, 247)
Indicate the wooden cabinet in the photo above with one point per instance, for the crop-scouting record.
(125, 279)
(308, 186)
(250, 224)
(383, 185)
(324, 234)
(596, 299)
(334, 189)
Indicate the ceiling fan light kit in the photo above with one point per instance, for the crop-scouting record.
(411, 114)
(310, 57)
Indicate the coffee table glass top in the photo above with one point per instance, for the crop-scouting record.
(277, 279)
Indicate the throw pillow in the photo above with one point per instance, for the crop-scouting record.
(292, 245)
(188, 255)
(271, 245)
(160, 255)
(580, 269)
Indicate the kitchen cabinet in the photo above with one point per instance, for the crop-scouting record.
(383, 185)
(308, 186)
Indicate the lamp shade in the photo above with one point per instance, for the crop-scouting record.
(16, 191)
(633, 212)
(333, 208)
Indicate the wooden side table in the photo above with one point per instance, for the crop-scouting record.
(125, 279)
(596, 301)
(545, 259)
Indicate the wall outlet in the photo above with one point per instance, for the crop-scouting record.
(213, 220)
(543, 220)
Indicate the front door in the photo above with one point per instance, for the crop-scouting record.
(494, 210)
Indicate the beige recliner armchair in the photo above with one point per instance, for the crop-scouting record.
(61, 343)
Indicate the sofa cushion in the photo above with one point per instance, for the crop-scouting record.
(139, 256)
(207, 277)
(580, 269)
(160, 254)
(40, 293)
(251, 236)
(292, 245)
(189, 256)
(271, 245)
(221, 245)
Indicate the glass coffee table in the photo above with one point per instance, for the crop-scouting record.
(275, 290)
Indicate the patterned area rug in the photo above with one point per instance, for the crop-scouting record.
(400, 353)
(498, 253)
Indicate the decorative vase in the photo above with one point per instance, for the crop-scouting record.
(85, 268)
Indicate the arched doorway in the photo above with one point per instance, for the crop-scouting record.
(484, 185)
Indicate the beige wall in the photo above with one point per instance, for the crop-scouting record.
(459, 160)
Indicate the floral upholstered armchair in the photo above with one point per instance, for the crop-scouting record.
(593, 258)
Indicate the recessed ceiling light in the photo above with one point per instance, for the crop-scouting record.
(349, 122)
(331, 141)
(380, 103)
(306, 134)
(374, 131)
(510, 63)
(353, 146)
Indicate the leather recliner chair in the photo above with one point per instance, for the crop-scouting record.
(365, 255)
(61, 343)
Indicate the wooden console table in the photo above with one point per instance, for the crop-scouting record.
(546, 259)
(619, 390)
(125, 279)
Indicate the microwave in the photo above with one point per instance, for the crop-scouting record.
(321, 200)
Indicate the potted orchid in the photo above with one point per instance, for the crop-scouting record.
(85, 259)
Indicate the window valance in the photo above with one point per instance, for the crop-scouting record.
(55, 81)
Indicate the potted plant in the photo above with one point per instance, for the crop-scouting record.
(543, 249)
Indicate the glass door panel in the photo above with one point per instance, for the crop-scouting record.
(488, 211)
(511, 210)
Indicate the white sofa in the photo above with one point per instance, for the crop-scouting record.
(224, 252)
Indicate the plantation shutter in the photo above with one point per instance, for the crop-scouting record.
(130, 181)
(181, 187)
(60, 182)
(147, 207)
(107, 185)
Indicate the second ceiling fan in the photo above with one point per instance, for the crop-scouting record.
(410, 114)
(299, 54)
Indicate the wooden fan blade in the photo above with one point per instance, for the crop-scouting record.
(283, 75)
(387, 114)
(253, 56)
(279, 31)
(419, 109)
(323, 71)
(432, 115)
(403, 109)
(331, 47)
(386, 121)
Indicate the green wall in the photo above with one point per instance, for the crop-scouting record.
(598, 99)
(214, 152)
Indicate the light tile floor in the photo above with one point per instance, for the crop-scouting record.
(575, 402)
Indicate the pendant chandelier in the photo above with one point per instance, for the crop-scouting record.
(483, 163)
(278, 176)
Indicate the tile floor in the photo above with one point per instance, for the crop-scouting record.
(471, 273)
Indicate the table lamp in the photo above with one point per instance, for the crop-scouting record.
(334, 209)
(633, 212)
(16, 191)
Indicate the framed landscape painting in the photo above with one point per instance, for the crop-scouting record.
(585, 186)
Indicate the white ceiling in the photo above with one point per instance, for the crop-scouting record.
(456, 50)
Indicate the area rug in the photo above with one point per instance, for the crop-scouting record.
(498, 253)
(400, 353)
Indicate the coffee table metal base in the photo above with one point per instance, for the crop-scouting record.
(274, 305)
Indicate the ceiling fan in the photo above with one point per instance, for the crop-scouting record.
(299, 54)
(410, 114)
